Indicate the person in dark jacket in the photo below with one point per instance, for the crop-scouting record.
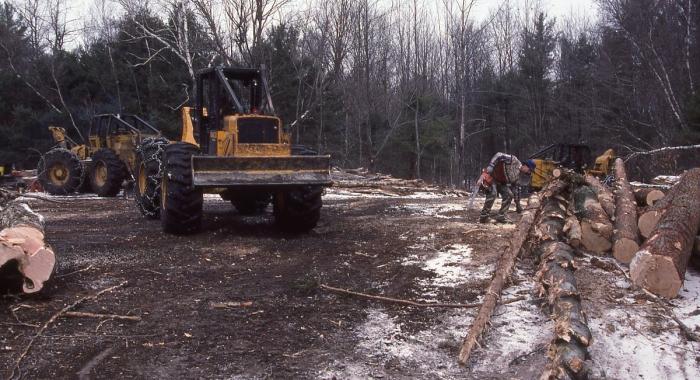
(501, 175)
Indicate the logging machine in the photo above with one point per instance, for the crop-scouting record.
(575, 157)
(101, 163)
(233, 145)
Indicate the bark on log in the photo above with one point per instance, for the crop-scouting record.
(596, 228)
(605, 196)
(572, 227)
(660, 264)
(25, 259)
(647, 196)
(558, 283)
(503, 271)
(626, 236)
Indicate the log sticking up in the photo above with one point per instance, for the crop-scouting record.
(660, 264)
(596, 228)
(568, 350)
(647, 196)
(23, 252)
(503, 271)
(605, 196)
(626, 236)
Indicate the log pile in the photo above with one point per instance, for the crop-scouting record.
(659, 266)
(26, 261)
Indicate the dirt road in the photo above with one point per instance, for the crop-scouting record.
(425, 247)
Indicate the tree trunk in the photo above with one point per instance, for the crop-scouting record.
(25, 260)
(558, 283)
(503, 271)
(605, 196)
(596, 228)
(626, 235)
(660, 264)
(647, 196)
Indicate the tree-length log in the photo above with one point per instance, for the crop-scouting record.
(646, 196)
(605, 196)
(503, 271)
(558, 283)
(26, 260)
(596, 228)
(660, 264)
(626, 236)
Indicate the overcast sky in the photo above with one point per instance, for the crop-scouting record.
(560, 9)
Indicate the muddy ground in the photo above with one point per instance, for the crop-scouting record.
(425, 247)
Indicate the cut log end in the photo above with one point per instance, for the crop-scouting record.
(648, 221)
(655, 273)
(653, 196)
(624, 250)
(593, 241)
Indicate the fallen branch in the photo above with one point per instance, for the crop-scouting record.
(413, 303)
(54, 318)
(82, 314)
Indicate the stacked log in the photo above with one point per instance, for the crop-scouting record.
(649, 218)
(626, 235)
(605, 196)
(26, 262)
(568, 350)
(647, 196)
(660, 264)
(596, 227)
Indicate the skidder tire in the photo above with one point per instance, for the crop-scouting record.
(60, 172)
(149, 172)
(298, 210)
(107, 173)
(181, 203)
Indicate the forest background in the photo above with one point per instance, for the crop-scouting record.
(415, 88)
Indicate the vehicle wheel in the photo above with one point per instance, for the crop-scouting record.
(60, 172)
(149, 169)
(298, 210)
(107, 173)
(250, 202)
(181, 203)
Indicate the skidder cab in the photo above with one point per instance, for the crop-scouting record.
(232, 144)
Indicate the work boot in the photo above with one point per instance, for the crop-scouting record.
(518, 208)
(503, 219)
(483, 219)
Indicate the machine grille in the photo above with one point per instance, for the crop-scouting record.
(258, 131)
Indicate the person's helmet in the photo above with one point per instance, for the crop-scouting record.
(531, 164)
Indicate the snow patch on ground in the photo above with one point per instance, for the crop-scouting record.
(640, 342)
(432, 210)
(385, 343)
